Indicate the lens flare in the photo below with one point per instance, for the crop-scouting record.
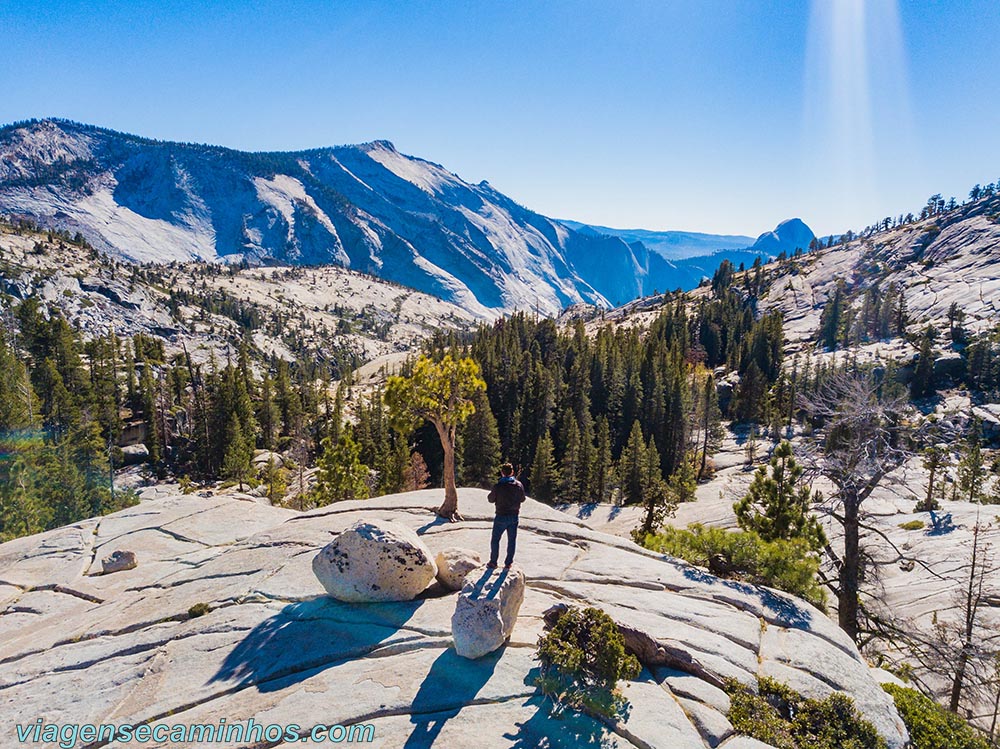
(856, 102)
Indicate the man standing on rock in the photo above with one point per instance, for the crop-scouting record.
(507, 495)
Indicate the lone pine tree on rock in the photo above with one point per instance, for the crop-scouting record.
(442, 393)
(778, 503)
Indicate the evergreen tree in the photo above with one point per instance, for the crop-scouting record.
(148, 404)
(18, 404)
(586, 457)
(751, 395)
(571, 474)
(922, 384)
(970, 467)
(544, 473)
(22, 509)
(275, 480)
(237, 453)
(657, 499)
(268, 415)
(684, 481)
(341, 475)
(481, 448)
(830, 319)
(711, 424)
(935, 461)
(603, 472)
(778, 504)
(633, 469)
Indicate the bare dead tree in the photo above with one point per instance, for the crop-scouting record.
(863, 437)
(971, 655)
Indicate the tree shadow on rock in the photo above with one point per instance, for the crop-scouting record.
(308, 636)
(567, 730)
(786, 612)
(452, 683)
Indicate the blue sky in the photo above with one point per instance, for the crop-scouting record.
(710, 115)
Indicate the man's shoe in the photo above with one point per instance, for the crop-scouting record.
(508, 566)
(491, 565)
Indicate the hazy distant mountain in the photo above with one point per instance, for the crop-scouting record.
(673, 245)
(786, 237)
(653, 272)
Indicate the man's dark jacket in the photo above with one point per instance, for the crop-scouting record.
(508, 494)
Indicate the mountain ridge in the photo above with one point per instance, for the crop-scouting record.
(367, 207)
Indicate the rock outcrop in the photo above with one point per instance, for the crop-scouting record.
(454, 564)
(375, 561)
(273, 645)
(486, 611)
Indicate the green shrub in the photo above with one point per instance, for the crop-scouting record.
(781, 717)
(930, 725)
(583, 656)
(199, 609)
(786, 565)
(912, 525)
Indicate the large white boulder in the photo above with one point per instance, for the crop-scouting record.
(486, 610)
(375, 561)
(453, 564)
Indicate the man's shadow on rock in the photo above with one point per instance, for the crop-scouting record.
(309, 636)
(477, 589)
(452, 683)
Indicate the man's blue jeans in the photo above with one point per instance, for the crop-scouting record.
(503, 524)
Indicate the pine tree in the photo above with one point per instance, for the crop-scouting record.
(586, 455)
(603, 472)
(275, 480)
(830, 319)
(711, 424)
(22, 511)
(751, 395)
(935, 461)
(569, 469)
(18, 404)
(633, 467)
(481, 449)
(922, 384)
(391, 471)
(970, 467)
(341, 475)
(778, 504)
(751, 445)
(237, 452)
(268, 415)
(544, 473)
(148, 399)
(684, 481)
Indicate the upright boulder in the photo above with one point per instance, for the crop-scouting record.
(375, 561)
(486, 610)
